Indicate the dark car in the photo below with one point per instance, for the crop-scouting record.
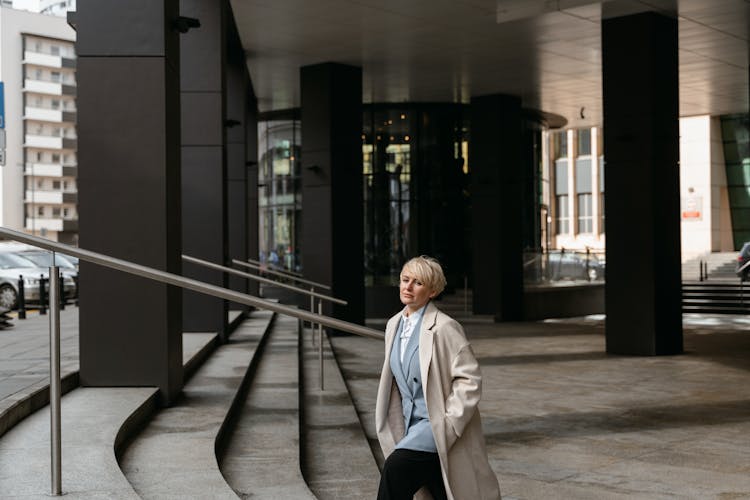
(743, 269)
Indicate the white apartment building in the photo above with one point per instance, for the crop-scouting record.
(38, 183)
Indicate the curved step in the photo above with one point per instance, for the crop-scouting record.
(174, 455)
(262, 456)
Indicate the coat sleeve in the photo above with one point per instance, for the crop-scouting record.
(466, 391)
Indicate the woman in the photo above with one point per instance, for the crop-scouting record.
(426, 413)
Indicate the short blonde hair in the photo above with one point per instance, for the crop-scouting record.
(427, 270)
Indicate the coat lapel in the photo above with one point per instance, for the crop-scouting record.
(429, 319)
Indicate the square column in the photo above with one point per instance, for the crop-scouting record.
(641, 154)
(332, 216)
(129, 192)
(497, 185)
(204, 160)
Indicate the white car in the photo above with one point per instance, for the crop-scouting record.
(12, 268)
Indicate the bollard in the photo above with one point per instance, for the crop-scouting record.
(42, 295)
(62, 292)
(21, 299)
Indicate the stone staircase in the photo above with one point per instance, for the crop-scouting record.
(716, 297)
(252, 421)
(721, 266)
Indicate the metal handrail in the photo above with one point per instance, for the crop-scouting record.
(259, 267)
(188, 283)
(259, 263)
(55, 391)
(218, 267)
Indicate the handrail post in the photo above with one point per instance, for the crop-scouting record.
(320, 343)
(54, 374)
(312, 310)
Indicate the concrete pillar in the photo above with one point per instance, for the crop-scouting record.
(129, 191)
(204, 159)
(238, 96)
(641, 153)
(497, 183)
(332, 216)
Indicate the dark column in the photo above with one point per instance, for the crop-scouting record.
(204, 160)
(129, 197)
(237, 96)
(251, 160)
(641, 151)
(332, 233)
(497, 174)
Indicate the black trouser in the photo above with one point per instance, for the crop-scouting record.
(406, 471)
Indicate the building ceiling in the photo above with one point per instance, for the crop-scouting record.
(546, 51)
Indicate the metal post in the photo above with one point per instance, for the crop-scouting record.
(21, 299)
(320, 342)
(312, 310)
(54, 382)
(62, 292)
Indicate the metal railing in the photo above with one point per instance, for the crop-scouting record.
(312, 293)
(155, 275)
(283, 271)
(296, 277)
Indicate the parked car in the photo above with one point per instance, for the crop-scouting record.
(742, 259)
(43, 259)
(12, 267)
(574, 266)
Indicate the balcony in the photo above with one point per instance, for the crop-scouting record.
(50, 197)
(39, 223)
(50, 142)
(42, 87)
(50, 170)
(49, 115)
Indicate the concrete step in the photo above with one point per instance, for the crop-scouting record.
(95, 424)
(174, 455)
(262, 454)
(338, 462)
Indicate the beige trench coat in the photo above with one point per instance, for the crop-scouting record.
(452, 386)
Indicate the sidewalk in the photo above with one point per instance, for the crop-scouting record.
(564, 420)
(24, 355)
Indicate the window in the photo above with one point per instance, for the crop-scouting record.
(55, 76)
(56, 212)
(560, 144)
(585, 213)
(55, 50)
(65, 185)
(55, 103)
(55, 184)
(66, 211)
(561, 209)
(40, 211)
(561, 199)
(55, 157)
(584, 142)
(39, 184)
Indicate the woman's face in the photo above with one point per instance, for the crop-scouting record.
(414, 294)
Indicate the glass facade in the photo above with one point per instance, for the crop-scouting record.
(735, 131)
(415, 166)
(279, 193)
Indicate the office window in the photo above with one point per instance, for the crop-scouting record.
(585, 213)
(584, 142)
(560, 144)
(561, 209)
